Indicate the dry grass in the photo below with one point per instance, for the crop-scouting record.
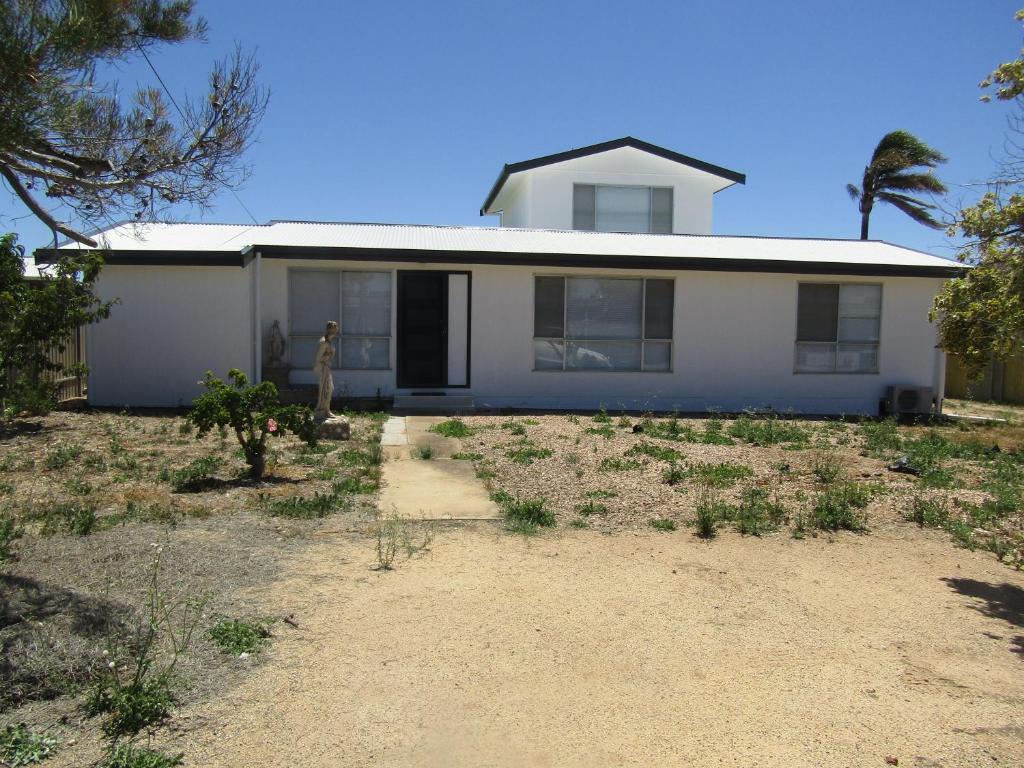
(67, 589)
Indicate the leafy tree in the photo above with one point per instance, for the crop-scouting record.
(891, 178)
(37, 314)
(66, 137)
(253, 412)
(981, 315)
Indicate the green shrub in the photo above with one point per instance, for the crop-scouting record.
(196, 475)
(662, 453)
(77, 519)
(615, 464)
(838, 508)
(452, 428)
(20, 746)
(130, 707)
(525, 453)
(673, 474)
(514, 427)
(881, 438)
(826, 467)
(254, 414)
(236, 636)
(356, 485)
(663, 524)
(721, 475)
(930, 513)
(602, 417)
(757, 512)
(768, 429)
(371, 456)
(591, 507)
(467, 456)
(605, 431)
(304, 508)
(62, 455)
(526, 515)
(126, 755)
(708, 512)
(425, 452)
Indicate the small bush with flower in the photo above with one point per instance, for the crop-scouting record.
(253, 412)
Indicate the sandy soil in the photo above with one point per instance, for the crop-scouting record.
(578, 648)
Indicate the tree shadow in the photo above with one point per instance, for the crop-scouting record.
(13, 429)
(1000, 601)
(221, 484)
(26, 601)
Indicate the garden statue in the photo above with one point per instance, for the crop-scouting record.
(277, 346)
(330, 426)
(322, 369)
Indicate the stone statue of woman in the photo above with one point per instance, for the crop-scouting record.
(277, 346)
(322, 369)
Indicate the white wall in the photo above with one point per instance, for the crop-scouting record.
(173, 324)
(543, 197)
(733, 341)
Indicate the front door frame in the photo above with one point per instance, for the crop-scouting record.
(400, 341)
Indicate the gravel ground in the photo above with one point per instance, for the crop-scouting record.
(574, 468)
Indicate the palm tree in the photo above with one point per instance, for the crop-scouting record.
(890, 176)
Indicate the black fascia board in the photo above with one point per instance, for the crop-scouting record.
(667, 263)
(626, 141)
(45, 256)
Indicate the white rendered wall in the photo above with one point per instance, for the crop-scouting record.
(733, 341)
(542, 199)
(173, 324)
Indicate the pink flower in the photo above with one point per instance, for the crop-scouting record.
(271, 425)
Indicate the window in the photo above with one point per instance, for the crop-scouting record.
(601, 208)
(602, 324)
(359, 301)
(837, 328)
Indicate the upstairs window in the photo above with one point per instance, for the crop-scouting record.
(838, 328)
(602, 324)
(603, 208)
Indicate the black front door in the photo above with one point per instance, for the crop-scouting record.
(422, 329)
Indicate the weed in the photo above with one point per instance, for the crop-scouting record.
(9, 531)
(302, 507)
(838, 508)
(615, 464)
(354, 457)
(572, 418)
(600, 494)
(94, 462)
(881, 438)
(526, 515)
(826, 466)
(425, 452)
(467, 456)
(930, 513)
(452, 428)
(659, 452)
(720, 475)
(525, 453)
(673, 474)
(196, 475)
(572, 458)
(605, 431)
(325, 473)
(663, 524)
(126, 755)
(767, 429)
(236, 636)
(356, 485)
(624, 422)
(591, 507)
(757, 512)
(21, 746)
(387, 543)
(708, 511)
(77, 519)
(602, 417)
(514, 427)
(78, 487)
(62, 455)
(134, 691)
(579, 522)
(502, 498)
(6, 489)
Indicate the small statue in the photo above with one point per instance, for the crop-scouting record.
(322, 369)
(277, 346)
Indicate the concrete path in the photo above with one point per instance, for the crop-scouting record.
(439, 488)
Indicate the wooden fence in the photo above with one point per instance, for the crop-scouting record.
(1003, 382)
(68, 386)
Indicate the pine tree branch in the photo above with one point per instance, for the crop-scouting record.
(41, 213)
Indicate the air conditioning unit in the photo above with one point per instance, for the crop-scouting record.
(909, 400)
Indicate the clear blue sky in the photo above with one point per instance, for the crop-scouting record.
(405, 111)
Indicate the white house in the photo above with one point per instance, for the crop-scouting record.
(603, 284)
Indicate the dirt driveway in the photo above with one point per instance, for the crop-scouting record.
(649, 649)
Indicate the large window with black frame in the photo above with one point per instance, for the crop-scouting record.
(602, 324)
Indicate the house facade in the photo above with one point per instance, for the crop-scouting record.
(603, 284)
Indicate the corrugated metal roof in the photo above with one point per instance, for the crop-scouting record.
(235, 238)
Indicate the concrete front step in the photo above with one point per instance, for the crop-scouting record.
(434, 403)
